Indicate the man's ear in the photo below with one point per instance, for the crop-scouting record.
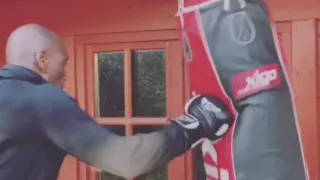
(42, 60)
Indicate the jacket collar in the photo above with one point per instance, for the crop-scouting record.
(20, 73)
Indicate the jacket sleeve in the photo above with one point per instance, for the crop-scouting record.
(72, 130)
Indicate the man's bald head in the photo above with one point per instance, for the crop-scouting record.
(37, 48)
(25, 43)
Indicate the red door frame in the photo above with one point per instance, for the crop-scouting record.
(87, 45)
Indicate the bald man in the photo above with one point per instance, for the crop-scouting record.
(40, 123)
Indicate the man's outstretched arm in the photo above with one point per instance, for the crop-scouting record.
(71, 129)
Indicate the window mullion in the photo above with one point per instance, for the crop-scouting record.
(128, 82)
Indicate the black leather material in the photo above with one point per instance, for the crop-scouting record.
(206, 116)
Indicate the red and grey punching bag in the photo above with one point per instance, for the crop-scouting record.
(233, 52)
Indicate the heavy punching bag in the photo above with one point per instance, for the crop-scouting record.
(233, 52)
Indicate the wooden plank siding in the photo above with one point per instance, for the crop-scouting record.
(85, 24)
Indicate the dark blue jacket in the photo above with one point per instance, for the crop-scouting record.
(40, 124)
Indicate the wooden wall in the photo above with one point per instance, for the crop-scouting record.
(78, 17)
(297, 24)
(74, 19)
(300, 41)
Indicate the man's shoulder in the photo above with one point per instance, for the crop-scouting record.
(47, 90)
(48, 94)
(49, 102)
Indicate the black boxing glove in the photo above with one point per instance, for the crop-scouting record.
(206, 117)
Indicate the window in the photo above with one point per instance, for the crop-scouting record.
(131, 94)
(131, 82)
(134, 88)
(111, 82)
(147, 84)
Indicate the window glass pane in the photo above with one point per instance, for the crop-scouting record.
(144, 129)
(110, 84)
(120, 130)
(108, 176)
(149, 77)
(160, 173)
(117, 129)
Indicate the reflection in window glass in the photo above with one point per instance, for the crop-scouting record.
(149, 84)
(111, 84)
(160, 173)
